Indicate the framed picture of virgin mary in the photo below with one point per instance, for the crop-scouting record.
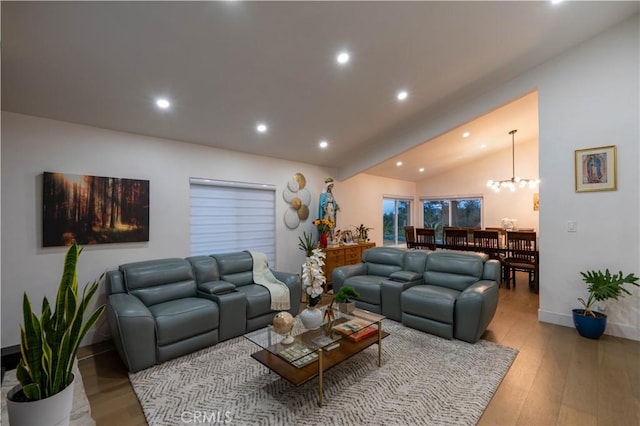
(596, 169)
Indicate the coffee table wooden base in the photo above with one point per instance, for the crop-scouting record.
(326, 360)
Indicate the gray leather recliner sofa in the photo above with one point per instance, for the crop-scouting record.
(446, 293)
(383, 274)
(458, 298)
(161, 309)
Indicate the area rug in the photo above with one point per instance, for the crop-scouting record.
(423, 380)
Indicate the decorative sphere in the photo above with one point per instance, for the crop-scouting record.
(296, 203)
(283, 323)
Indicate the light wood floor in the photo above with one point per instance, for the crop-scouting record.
(558, 377)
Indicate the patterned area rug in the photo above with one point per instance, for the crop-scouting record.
(423, 380)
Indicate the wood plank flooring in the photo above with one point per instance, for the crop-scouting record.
(558, 377)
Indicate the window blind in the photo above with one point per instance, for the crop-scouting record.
(232, 216)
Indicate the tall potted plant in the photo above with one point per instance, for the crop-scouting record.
(601, 286)
(48, 348)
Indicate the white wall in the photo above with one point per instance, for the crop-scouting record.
(589, 97)
(363, 201)
(471, 180)
(33, 145)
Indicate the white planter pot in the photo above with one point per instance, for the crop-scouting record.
(311, 318)
(52, 411)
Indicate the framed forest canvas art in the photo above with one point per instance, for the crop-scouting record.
(93, 210)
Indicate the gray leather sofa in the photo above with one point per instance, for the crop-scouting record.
(446, 293)
(161, 309)
(458, 298)
(383, 274)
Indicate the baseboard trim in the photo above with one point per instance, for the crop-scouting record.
(613, 329)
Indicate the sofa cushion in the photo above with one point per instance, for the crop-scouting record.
(157, 281)
(258, 299)
(383, 261)
(454, 270)
(432, 302)
(182, 318)
(367, 286)
(237, 268)
(205, 268)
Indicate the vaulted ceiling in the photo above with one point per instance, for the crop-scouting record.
(225, 66)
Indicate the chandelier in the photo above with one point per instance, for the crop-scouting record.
(514, 182)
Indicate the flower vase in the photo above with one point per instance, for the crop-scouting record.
(323, 240)
(311, 318)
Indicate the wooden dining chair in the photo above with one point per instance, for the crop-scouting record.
(522, 256)
(489, 242)
(456, 237)
(410, 236)
(501, 231)
(426, 238)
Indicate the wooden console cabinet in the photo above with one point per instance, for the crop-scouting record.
(342, 255)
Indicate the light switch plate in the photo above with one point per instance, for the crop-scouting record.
(572, 226)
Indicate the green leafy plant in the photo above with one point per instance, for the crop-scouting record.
(306, 243)
(48, 345)
(603, 286)
(346, 292)
(362, 232)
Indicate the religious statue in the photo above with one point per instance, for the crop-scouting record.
(328, 207)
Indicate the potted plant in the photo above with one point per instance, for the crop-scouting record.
(48, 348)
(363, 233)
(313, 282)
(342, 297)
(306, 243)
(601, 286)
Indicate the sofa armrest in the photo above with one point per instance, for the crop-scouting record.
(407, 276)
(390, 293)
(295, 288)
(133, 331)
(216, 287)
(341, 273)
(491, 270)
(475, 308)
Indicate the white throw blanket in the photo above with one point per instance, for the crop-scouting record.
(280, 299)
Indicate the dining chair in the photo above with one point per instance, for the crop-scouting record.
(426, 238)
(410, 236)
(489, 242)
(456, 237)
(501, 231)
(522, 256)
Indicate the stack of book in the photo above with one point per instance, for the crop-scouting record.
(298, 355)
(355, 329)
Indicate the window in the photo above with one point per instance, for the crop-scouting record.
(232, 216)
(396, 214)
(463, 212)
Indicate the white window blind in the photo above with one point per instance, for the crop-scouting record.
(232, 216)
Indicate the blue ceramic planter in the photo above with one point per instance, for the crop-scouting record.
(588, 326)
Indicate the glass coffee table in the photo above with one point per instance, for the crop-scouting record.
(315, 351)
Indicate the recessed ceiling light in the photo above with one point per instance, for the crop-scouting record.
(399, 163)
(261, 128)
(466, 134)
(343, 57)
(323, 144)
(483, 146)
(556, 1)
(163, 103)
(402, 95)
(421, 169)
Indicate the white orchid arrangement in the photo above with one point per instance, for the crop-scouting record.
(313, 278)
